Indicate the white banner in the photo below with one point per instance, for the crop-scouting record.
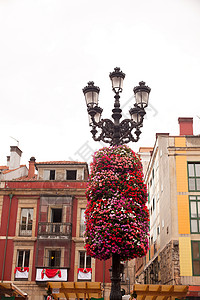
(19, 274)
(85, 276)
(55, 278)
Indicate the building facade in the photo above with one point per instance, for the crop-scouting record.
(173, 181)
(41, 229)
(13, 169)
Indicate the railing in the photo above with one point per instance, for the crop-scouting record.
(54, 229)
(25, 230)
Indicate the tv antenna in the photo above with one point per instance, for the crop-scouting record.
(15, 140)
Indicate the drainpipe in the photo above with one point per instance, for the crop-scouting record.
(103, 279)
(4, 258)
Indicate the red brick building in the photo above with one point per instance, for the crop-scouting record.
(41, 228)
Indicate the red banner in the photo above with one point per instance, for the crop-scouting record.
(51, 273)
(85, 270)
(21, 269)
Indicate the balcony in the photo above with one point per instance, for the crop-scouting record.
(54, 230)
(25, 230)
(21, 273)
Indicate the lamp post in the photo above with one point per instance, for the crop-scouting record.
(116, 133)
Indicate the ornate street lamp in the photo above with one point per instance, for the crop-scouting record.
(116, 133)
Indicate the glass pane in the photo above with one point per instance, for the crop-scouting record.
(26, 218)
(194, 226)
(192, 197)
(88, 262)
(82, 259)
(197, 169)
(191, 169)
(20, 258)
(193, 209)
(196, 267)
(195, 250)
(82, 215)
(198, 183)
(24, 213)
(191, 184)
(198, 203)
(198, 197)
(57, 258)
(26, 260)
(30, 219)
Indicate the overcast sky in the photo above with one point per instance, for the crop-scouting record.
(50, 49)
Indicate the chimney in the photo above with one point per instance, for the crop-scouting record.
(8, 161)
(31, 170)
(186, 126)
(15, 156)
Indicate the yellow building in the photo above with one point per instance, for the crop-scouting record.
(173, 181)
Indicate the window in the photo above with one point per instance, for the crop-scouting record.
(194, 176)
(23, 258)
(153, 174)
(54, 258)
(158, 230)
(196, 258)
(195, 214)
(84, 260)
(56, 217)
(71, 174)
(49, 174)
(52, 174)
(153, 204)
(26, 222)
(82, 222)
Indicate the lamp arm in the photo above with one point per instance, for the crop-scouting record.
(126, 126)
(107, 130)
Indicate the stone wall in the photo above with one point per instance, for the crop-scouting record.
(169, 264)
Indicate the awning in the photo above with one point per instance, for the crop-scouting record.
(11, 289)
(157, 291)
(75, 289)
(194, 291)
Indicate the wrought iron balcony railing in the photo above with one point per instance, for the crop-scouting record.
(25, 229)
(54, 229)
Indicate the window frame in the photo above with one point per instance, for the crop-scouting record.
(48, 174)
(55, 250)
(197, 218)
(74, 170)
(26, 225)
(82, 221)
(85, 259)
(23, 259)
(193, 177)
(194, 259)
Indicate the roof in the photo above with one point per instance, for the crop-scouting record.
(154, 291)
(145, 149)
(4, 167)
(8, 171)
(26, 178)
(9, 288)
(62, 162)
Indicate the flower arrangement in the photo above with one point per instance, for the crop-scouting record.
(117, 219)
